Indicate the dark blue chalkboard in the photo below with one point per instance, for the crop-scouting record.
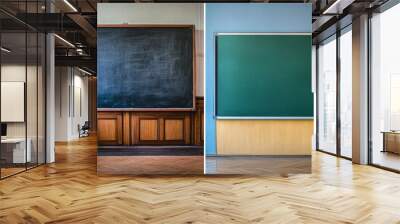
(145, 68)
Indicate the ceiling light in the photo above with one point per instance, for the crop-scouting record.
(84, 71)
(338, 6)
(65, 41)
(5, 50)
(70, 5)
(327, 11)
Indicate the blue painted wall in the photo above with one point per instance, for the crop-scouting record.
(244, 17)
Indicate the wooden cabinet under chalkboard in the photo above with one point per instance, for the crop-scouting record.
(146, 68)
(151, 128)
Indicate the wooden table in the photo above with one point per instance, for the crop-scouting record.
(391, 141)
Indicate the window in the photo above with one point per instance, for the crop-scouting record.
(327, 95)
(385, 89)
(346, 74)
(335, 94)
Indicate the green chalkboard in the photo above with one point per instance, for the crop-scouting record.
(263, 76)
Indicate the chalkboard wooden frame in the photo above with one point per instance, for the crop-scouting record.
(215, 113)
(192, 27)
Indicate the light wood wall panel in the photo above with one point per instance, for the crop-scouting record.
(126, 129)
(92, 98)
(110, 128)
(199, 122)
(148, 129)
(174, 129)
(264, 137)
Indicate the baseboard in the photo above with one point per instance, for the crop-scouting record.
(261, 156)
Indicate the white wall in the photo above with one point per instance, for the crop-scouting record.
(9, 73)
(67, 116)
(160, 14)
(13, 72)
(17, 72)
(33, 126)
(13, 101)
(50, 94)
(79, 117)
(61, 103)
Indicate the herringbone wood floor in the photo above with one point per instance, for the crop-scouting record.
(71, 192)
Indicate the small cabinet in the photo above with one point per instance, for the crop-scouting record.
(109, 128)
(152, 128)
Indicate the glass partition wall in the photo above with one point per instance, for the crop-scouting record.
(327, 78)
(13, 88)
(22, 87)
(385, 89)
(334, 62)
